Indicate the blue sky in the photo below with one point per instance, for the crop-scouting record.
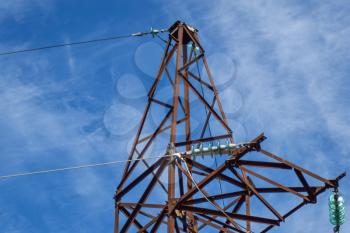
(282, 67)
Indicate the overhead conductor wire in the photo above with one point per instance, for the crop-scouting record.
(77, 167)
(209, 128)
(152, 32)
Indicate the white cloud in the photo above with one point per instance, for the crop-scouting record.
(39, 131)
(18, 9)
(292, 73)
(286, 55)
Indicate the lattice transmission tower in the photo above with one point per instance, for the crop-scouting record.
(205, 182)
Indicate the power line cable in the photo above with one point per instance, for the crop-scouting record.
(77, 167)
(153, 32)
(209, 128)
(165, 41)
(63, 45)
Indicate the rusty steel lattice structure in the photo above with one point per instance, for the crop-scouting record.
(179, 192)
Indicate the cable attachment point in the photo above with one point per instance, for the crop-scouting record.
(178, 155)
(153, 32)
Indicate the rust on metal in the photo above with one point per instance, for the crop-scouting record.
(179, 191)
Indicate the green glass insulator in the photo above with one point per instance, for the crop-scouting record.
(210, 149)
(190, 45)
(336, 205)
(339, 222)
(332, 198)
(218, 146)
(337, 216)
(331, 203)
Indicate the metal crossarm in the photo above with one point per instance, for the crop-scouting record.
(246, 172)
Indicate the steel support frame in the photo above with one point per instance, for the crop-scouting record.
(185, 208)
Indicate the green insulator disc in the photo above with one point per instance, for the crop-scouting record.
(336, 208)
(332, 198)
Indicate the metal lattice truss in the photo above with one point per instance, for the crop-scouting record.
(179, 192)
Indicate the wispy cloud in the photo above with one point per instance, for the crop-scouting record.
(47, 121)
(18, 9)
(292, 72)
(292, 63)
(287, 54)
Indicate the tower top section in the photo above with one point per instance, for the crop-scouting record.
(187, 37)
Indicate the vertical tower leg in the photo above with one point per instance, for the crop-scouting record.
(116, 219)
(192, 228)
(171, 168)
